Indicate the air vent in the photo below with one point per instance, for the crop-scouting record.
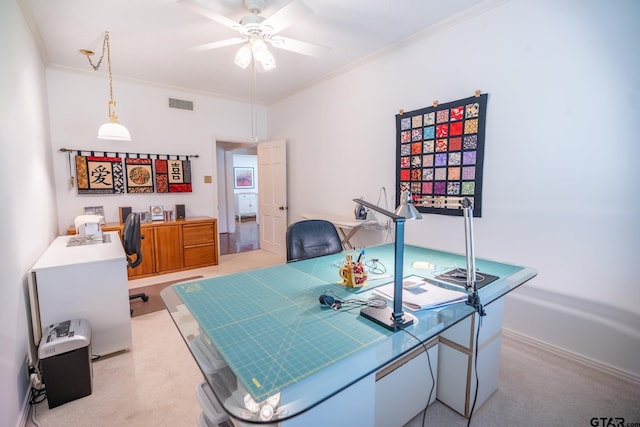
(180, 104)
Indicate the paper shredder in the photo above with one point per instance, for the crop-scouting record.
(65, 361)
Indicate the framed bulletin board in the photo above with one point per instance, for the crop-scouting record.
(440, 155)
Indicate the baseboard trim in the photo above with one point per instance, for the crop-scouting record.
(23, 421)
(561, 352)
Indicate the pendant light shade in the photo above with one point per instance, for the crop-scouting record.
(114, 131)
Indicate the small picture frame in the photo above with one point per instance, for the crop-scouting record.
(157, 212)
(243, 178)
(94, 210)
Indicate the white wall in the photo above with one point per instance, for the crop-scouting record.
(559, 180)
(78, 103)
(28, 205)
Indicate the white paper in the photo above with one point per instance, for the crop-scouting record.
(417, 294)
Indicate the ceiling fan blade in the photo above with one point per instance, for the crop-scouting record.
(218, 44)
(287, 15)
(208, 13)
(299, 46)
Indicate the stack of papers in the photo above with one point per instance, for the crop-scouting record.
(419, 294)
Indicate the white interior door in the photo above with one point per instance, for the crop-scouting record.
(272, 197)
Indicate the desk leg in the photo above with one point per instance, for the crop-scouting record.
(456, 367)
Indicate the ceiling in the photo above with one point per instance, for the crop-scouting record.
(150, 39)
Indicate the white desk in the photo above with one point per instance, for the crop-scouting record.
(347, 227)
(263, 333)
(89, 282)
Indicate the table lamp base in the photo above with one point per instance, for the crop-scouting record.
(383, 317)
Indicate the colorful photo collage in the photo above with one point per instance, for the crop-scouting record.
(440, 153)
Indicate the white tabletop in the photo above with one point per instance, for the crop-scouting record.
(59, 253)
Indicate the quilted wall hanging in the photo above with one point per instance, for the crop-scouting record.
(173, 176)
(138, 173)
(99, 175)
(440, 155)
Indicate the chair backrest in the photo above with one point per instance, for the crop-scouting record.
(312, 238)
(132, 240)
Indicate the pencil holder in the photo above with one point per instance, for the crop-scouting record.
(353, 273)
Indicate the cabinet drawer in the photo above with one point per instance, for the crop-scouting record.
(197, 233)
(199, 255)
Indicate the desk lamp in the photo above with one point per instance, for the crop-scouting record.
(394, 319)
(472, 286)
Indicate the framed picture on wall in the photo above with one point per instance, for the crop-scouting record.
(243, 178)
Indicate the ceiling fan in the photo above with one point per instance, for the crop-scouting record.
(256, 31)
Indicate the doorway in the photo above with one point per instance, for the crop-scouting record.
(237, 197)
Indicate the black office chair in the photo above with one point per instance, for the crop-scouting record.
(312, 238)
(132, 242)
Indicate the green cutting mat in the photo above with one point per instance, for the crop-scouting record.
(269, 327)
(268, 324)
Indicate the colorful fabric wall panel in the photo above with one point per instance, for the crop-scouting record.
(111, 175)
(440, 155)
(173, 176)
(139, 175)
(99, 175)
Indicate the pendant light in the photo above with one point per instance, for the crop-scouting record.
(112, 130)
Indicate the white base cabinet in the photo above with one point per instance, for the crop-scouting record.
(456, 360)
(87, 281)
(246, 204)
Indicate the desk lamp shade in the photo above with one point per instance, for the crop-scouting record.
(406, 208)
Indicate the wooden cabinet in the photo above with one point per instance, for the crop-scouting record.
(168, 248)
(148, 265)
(199, 244)
(173, 246)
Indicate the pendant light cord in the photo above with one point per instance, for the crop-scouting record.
(106, 47)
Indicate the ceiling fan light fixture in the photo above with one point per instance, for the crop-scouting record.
(256, 32)
(256, 50)
(243, 57)
(268, 62)
(259, 50)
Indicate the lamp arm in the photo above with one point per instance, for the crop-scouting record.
(467, 209)
(473, 298)
(378, 209)
(398, 313)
